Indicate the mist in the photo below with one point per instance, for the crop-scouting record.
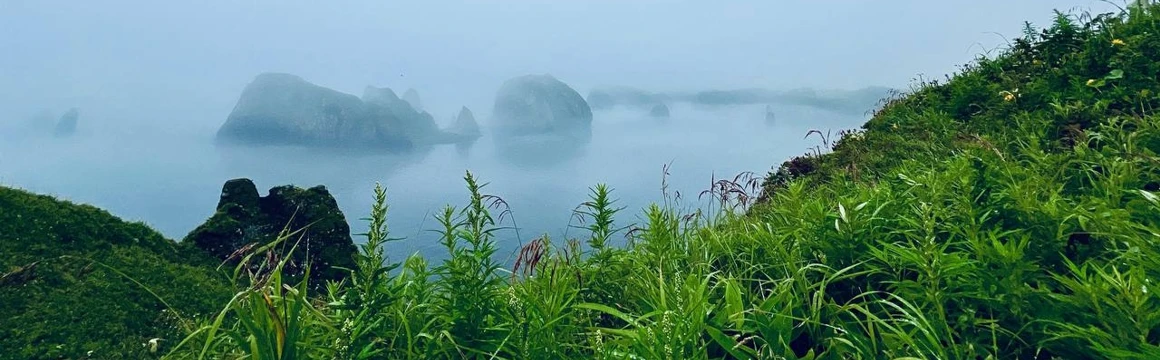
(153, 81)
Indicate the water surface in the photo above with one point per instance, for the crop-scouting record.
(171, 181)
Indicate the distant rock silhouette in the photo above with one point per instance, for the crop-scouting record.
(243, 218)
(67, 125)
(465, 127)
(659, 110)
(284, 109)
(611, 97)
(541, 104)
(770, 118)
(410, 122)
(412, 97)
(852, 102)
(733, 97)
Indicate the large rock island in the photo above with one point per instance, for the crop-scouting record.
(540, 105)
(540, 121)
(284, 109)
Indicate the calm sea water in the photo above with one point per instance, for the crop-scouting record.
(172, 182)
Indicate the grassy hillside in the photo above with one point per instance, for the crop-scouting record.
(65, 288)
(1009, 211)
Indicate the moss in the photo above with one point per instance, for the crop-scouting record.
(244, 218)
(60, 301)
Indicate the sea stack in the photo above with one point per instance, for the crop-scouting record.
(539, 105)
(67, 125)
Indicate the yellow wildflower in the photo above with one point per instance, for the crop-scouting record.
(153, 343)
(1091, 82)
(1118, 42)
(1009, 95)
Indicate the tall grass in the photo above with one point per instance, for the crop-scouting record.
(967, 220)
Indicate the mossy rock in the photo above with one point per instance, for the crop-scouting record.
(312, 217)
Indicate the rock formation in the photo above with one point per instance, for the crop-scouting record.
(412, 97)
(67, 125)
(399, 114)
(465, 127)
(540, 104)
(244, 218)
(659, 110)
(283, 109)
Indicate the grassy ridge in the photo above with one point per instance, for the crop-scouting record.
(1080, 72)
(66, 287)
(1007, 212)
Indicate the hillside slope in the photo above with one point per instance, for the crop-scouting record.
(59, 303)
(1009, 210)
(1075, 75)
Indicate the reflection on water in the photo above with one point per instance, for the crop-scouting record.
(173, 182)
(540, 151)
(291, 164)
(463, 148)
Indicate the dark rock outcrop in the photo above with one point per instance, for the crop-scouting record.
(465, 127)
(244, 218)
(659, 110)
(283, 109)
(540, 104)
(67, 125)
(412, 97)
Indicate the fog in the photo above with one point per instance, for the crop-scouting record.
(154, 80)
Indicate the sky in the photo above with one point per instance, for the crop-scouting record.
(179, 66)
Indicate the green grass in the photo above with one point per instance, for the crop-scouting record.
(1008, 212)
(76, 279)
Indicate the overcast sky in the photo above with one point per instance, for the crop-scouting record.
(194, 57)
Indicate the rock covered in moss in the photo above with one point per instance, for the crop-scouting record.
(244, 218)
